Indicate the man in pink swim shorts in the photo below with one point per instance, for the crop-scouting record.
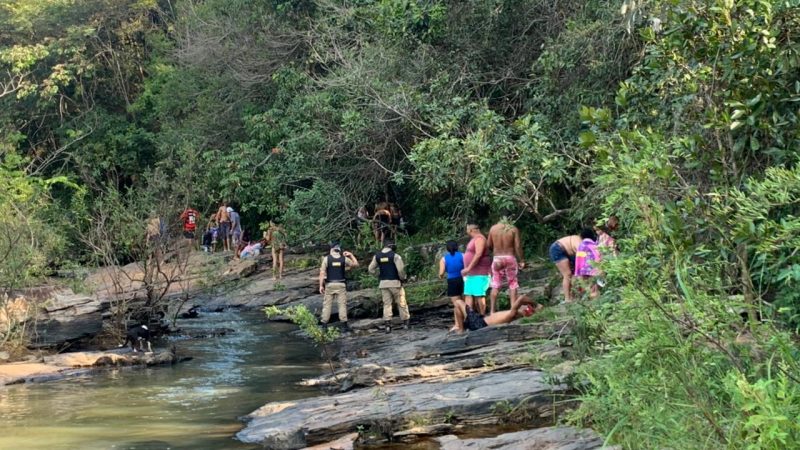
(505, 243)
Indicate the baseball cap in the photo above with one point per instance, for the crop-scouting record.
(335, 245)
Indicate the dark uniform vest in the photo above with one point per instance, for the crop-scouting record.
(335, 271)
(387, 266)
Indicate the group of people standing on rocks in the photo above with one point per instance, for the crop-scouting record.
(491, 261)
(488, 263)
(224, 228)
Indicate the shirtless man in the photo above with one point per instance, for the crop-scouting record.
(562, 254)
(223, 218)
(382, 223)
(468, 318)
(506, 246)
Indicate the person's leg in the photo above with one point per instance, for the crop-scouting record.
(481, 301)
(274, 263)
(402, 306)
(327, 303)
(280, 261)
(342, 301)
(493, 300)
(496, 283)
(386, 296)
(455, 301)
(461, 315)
(566, 278)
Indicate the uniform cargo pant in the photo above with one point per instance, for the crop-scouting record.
(338, 292)
(396, 295)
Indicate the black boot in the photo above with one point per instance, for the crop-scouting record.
(346, 326)
(388, 327)
(324, 326)
(406, 324)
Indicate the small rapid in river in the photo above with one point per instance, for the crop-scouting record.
(194, 404)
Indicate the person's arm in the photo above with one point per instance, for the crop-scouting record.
(350, 260)
(373, 266)
(401, 267)
(518, 249)
(480, 246)
(490, 241)
(323, 273)
(441, 268)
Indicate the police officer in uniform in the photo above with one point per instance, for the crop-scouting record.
(392, 272)
(332, 282)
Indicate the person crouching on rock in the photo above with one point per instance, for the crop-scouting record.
(392, 272)
(138, 335)
(333, 282)
(472, 320)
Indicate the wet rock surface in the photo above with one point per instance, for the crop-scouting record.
(470, 400)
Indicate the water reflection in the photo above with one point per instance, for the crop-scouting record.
(191, 405)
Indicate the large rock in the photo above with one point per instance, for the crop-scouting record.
(67, 364)
(69, 317)
(473, 400)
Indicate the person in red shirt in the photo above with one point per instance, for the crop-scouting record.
(189, 218)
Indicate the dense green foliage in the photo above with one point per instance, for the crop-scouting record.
(680, 117)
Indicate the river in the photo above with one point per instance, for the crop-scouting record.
(191, 405)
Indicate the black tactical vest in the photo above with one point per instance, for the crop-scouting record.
(387, 266)
(335, 271)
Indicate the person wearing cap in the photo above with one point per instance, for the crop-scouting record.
(391, 271)
(333, 282)
(236, 228)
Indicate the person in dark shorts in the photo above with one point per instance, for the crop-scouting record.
(472, 320)
(224, 220)
(382, 223)
(451, 264)
(562, 254)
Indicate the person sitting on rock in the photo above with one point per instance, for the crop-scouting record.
(392, 272)
(471, 320)
(253, 249)
(138, 335)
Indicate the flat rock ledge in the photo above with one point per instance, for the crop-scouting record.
(60, 366)
(524, 395)
(553, 438)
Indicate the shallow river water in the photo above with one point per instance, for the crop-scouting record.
(191, 405)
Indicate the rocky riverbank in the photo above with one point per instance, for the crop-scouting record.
(425, 384)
